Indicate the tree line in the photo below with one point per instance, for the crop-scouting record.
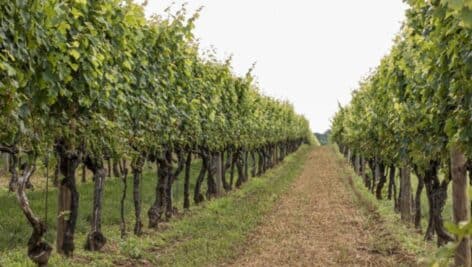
(413, 114)
(83, 82)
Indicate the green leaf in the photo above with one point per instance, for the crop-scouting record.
(455, 4)
(212, 115)
(74, 66)
(127, 65)
(74, 53)
(82, 2)
(63, 27)
(10, 70)
(466, 16)
(76, 13)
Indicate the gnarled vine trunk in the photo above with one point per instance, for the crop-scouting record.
(380, 173)
(137, 169)
(157, 209)
(38, 250)
(198, 197)
(436, 192)
(116, 169)
(13, 184)
(211, 172)
(69, 161)
(419, 190)
(260, 165)
(95, 239)
(188, 164)
(124, 180)
(240, 169)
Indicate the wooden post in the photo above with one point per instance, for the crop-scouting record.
(405, 195)
(357, 164)
(460, 204)
(63, 213)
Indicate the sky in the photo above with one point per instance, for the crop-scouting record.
(311, 52)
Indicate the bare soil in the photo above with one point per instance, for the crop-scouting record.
(318, 222)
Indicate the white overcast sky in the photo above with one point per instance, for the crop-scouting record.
(311, 52)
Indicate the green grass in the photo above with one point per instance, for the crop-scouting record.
(14, 230)
(447, 212)
(208, 233)
(410, 240)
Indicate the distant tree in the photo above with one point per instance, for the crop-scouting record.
(323, 138)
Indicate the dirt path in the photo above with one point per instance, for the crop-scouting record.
(317, 223)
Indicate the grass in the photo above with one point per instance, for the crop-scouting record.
(14, 230)
(447, 212)
(212, 232)
(409, 239)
